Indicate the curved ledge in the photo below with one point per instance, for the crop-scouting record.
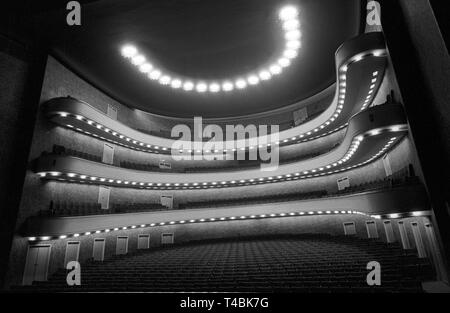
(373, 204)
(369, 135)
(360, 66)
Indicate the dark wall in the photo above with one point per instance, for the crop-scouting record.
(21, 72)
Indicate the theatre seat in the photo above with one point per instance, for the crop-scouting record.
(307, 263)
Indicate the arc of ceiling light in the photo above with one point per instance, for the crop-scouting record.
(288, 16)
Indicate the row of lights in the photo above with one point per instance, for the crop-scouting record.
(233, 218)
(316, 172)
(141, 146)
(399, 215)
(201, 220)
(138, 145)
(287, 15)
(370, 94)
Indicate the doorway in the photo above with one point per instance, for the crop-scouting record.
(108, 153)
(122, 245)
(72, 252)
(98, 253)
(36, 265)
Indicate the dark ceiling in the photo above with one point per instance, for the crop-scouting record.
(202, 39)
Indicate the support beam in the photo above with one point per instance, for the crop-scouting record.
(422, 67)
(22, 68)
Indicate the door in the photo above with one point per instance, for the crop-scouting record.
(418, 240)
(143, 241)
(72, 252)
(167, 239)
(112, 112)
(435, 252)
(372, 231)
(36, 265)
(349, 229)
(108, 153)
(98, 253)
(167, 201)
(300, 116)
(122, 245)
(403, 235)
(387, 165)
(390, 238)
(343, 183)
(103, 196)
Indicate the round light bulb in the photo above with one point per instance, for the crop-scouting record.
(129, 51)
(288, 13)
(201, 87)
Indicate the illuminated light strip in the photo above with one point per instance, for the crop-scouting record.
(200, 220)
(370, 95)
(315, 172)
(342, 87)
(292, 35)
(244, 217)
(139, 146)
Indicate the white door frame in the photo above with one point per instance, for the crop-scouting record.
(108, 148)
(165, 234)
(390, 237)
(147, 246)
(346, 232)
(375, 229)
(126, 244)
(107, 190)
(28, 260)
(420, 247)
(78, 251)
(103, 240)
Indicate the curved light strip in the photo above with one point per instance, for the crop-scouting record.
(201, 220)
(288, 17)
(329, 169)
(234, 218)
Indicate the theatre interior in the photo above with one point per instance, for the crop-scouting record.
(320, 163)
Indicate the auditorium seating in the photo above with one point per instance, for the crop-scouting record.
(73, 208)
(140, 167)
(61, 150)
(303, 263)
(255, 200)
(137, 207)
(167, 134)
(367, 186)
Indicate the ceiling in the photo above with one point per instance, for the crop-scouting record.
(210, 39)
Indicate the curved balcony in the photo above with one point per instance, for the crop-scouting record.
(369, 135)
(360, 67)
(394, 203)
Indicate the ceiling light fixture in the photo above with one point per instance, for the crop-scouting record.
(288, 16)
